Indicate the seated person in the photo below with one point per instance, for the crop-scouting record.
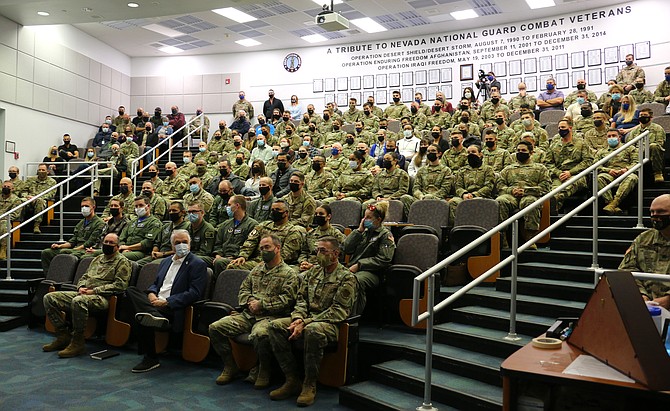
(613, 168)
(232, 233)
(34, 186)
(181, 281)
(67, 150)
(322, 216)
(55, 163)
(627, 117)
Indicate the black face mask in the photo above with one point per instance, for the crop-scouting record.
(319, 220)
(349, 141)
(581, 86)
(276, 215)
(495, 100)
(431, 157)
(223, 172)
(255, 170)
(414, 110)
(586, 113)
(302, 155)
(367, 113)
(396, 99)
(174, 217)
(168, 172)
(435, 134)
(225, 197)
(263, 190)
(387, 164)
(222, 128)
(6, 190)
(455, 142)
(326, 117)
(12, 175)
(474, 160)
(294, 187)
(316, 167)
(522, 157)
(465, 120)
(276, 116)
(152, 174)
(598, 123)
(108, 249)
(157, 113)
(490, 144)
(310, 111)
(312, 129)
(147, 193)
(563, 132)
(499, 121)
(124, 190)
(644, 120)
(660, 222)
(380, 138)
(281, 166)
(437, 109)
(286, 119)
(639, 86)
(115, 212)
(422, 150)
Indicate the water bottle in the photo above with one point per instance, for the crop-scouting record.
(655, 313)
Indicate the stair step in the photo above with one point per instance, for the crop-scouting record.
(586, 244)
(371, 395)
(576, 258)
(479, 339)
(23, 263)
(541, 287)
(445, 357)
(14, 295)
(552, 307)
(499, 319)
(605, 221)
(13, 308)
(18, 283)
(9, 322)
(456, 391)
(23, 273)
(611, 233)
(555, 272)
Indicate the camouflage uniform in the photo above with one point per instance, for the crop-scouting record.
(144, 231)
(259, 209)
(203, 197)
(656, 144)
(241, 170)
(218, 214)
(291, 236)
(337, 165)
(626, 159)
(158, 206)
(243, 105)
(419, 121)
(323, 300)
(479, 182)
(86, 234)
(308, 252)
(433, 182)
(498, 158)
(442, 119)
(19, 187)
(396, 111)
(649, 253)
(202, 241)
(157, 183)
(506, 138)
(534, 179)
(320, 185)
(304, 165)
(128, 204)
(34, 186)
(130, 150)
(488, 111)
(574, 157)
(7, 204)
(370, 123)
(541, 138)
(229, 239)
(572, 97)
(105, 276)
(333, 137)
(596, 139)
(628, 74)
(275, 288)
(373, 251)
(173, 188)
(301, 208)
(351, 116)
(581, 125)
(455, 159)
(355, 185)
(394, 186)
(187, 170)
(516, 102)
(662, 91)
(218, 144)
(641, 96)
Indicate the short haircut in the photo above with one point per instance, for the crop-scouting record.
(179, 232)
(179, 204)
(300, 175)
(647, 110)
(142, 198)
(241, 200)
(334, 243)
(283, 203)
(89, 199)
(275, 240)
(527, 144)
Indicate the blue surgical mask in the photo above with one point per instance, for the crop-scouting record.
(260, 143)
(613, 142)
(194, 188)
(181, 250)
(229, 211)
(353, 164)
(625, 106)
(490, 78)
(202, 149)
(186, 160)
(368, 224)
(165, 123)
(550, 86)
(305, 143)
(192, 217)
(616, 96)
(334, 151)
(667, 78)
(580, 100)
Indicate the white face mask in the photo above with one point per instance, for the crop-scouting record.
(86, 211)
(407, 133)
(141, 211)
(181, 249)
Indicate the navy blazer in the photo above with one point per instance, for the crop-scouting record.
(188, 286)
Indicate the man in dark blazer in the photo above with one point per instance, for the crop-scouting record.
(181, 281)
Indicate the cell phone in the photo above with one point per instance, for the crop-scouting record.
(104, 354)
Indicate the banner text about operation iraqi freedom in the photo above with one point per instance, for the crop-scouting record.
(547, 35)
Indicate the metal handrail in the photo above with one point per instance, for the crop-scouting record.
(429, 314)
(135, 162)
(79, 162)
(8, 214)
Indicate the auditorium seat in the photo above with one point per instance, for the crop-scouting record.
(551, 116)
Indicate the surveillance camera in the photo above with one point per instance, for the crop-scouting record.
(325, 7)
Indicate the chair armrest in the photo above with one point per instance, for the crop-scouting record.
(66, 287)
(353, 319)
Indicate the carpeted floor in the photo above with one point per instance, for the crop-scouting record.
(34, 380)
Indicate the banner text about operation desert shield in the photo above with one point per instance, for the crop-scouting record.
(549, 35)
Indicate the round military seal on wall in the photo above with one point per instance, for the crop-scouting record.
(292, 62)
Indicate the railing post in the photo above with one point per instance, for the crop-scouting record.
(68, 177)
(594, 260)
(512, 335)
(641, 152)
(9, 247)
(428, 380)
(60, 208)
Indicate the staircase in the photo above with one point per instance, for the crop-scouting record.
(469, 348)
(27, 271)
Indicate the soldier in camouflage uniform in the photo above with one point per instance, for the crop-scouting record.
(375, 110)
(337, 162)
(371, 247)
(392, 183)
(301, 205)
(322, 217)
(174, 186)
(521, 184)
(396, 110)
(16, 181)
(158, 204)
(260, 208)
(528, 125)
(650, 253)
(126, 195)
(325, 297)
(268, 293)
(596, 138)
(495, 156)
(188, 166)
(475, 180)
(629, 73)
(336, 135)
(320, 181)
(504, 134)
(197, 193)
(538, 155)
(303, 162)
(572, 97)
(203, 234)
(107, 274)
(33, 187)
(291, 236)
(615, 167)
(434, 180)
(355, 183)
(584, 122)
(138, 237)
(656, 142)
(639, 94)
(353, 114)
(217, 214)
(662, 92)
(217, 143)
(417, 119)
(369, 120)
(522, 99)
(162, 246)
(8, 201)
(231, 234)
(567, 156)
(243, 104)
(129, 148)
(86, 234)
(491, 107)
(456, 157)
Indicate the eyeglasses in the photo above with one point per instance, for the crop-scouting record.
(109, 243)
(322, 250)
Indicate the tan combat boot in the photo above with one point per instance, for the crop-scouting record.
(613, 207)
(290, 388)
(77, 347)
(62, 340)
(263, 377)
(229, 372)
(307, 394)
(658, 178)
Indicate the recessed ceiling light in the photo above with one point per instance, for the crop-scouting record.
(540, 4)
(314, 38)
(248, 42)
(464, 14)
(42, 13)
(170, 50)
(234, 14)
(133, 5)
(157, 28)
(368, 25)
(325, 3)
